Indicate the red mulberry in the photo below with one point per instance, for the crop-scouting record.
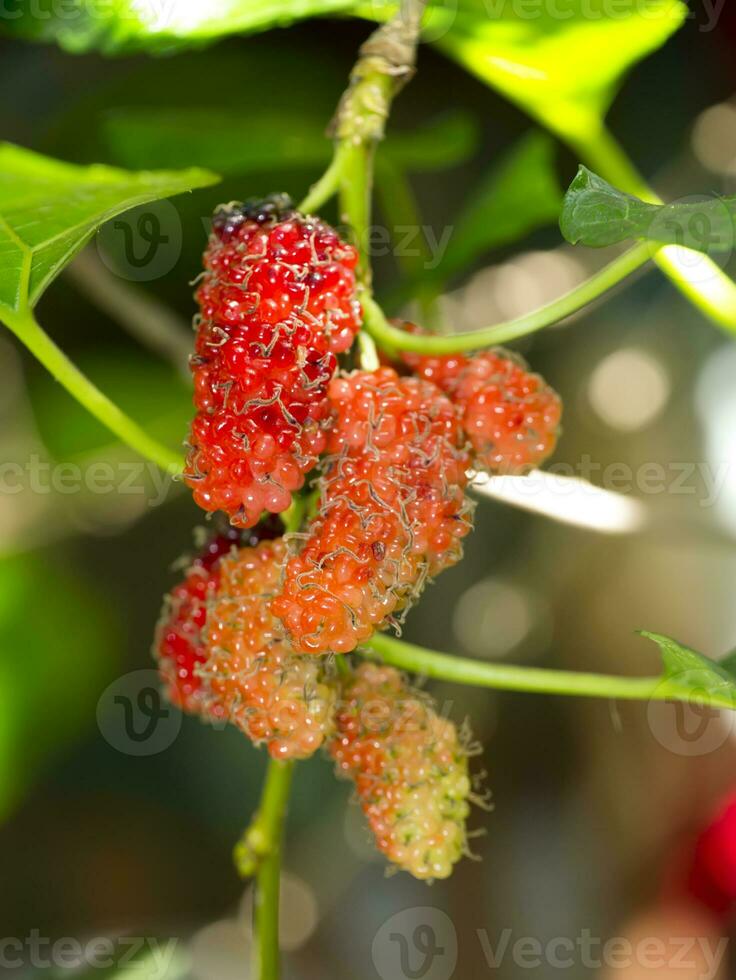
(511, 417)
(277, 304)
(178, 645)
(410, 770)
(393, 511)
(251, 676)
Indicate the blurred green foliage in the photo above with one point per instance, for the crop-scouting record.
(244, 142)
(51, 669)
(146, 388)
(520, 193)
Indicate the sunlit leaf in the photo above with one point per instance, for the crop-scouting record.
(564, 64)
(561, 64)
(50, 209)
(597, 214)
(237, 143)
(51, 670)
(119, 26)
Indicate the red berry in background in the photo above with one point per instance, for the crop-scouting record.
(512, 417)
(712, 873)
(251, 676)
(393, 511)
(178, 645)
(277, 304)
(410, 771)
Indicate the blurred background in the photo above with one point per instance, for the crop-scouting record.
(596, 804)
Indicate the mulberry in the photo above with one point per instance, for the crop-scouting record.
(251, 677)
(393, 511)
(277, 304)
(178, 644)
(410, 771)
(512, 417)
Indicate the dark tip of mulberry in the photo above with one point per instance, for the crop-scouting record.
(229, 217)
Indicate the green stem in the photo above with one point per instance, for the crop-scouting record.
(509, 677)
(293, 516)
(27, 329)
(385, 62)
(259, 853)
(356, 187)
(398, 201)
(343, 668)
(368, 354)
(327, 185)
(704, 283)
(501, 333)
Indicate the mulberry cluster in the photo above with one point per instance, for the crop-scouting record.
(410, 771)
(277, 304)
(511, 416)
(242, 638)
(393, 511)
(251, 676)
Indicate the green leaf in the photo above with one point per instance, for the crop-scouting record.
(518, 195)
(688, 672)
(238, 143)
(597, 214)
(122, 26)
(57, 647)
(50, 209)
(562, 65)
